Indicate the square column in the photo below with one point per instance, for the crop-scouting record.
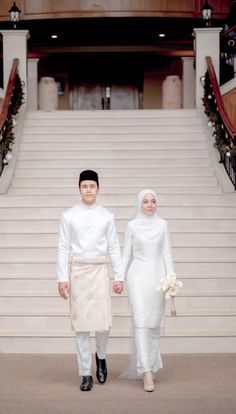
(32, 103)
(15, 46)
(188, 82)
(207, 43)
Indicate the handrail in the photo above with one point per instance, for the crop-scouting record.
(226, 32)
(220, 104)
(224, 132)
(11, 104)
(7, 98)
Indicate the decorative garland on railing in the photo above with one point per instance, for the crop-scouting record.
(223, 141)
(6, 133)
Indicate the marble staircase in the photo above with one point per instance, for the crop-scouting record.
(131, 150)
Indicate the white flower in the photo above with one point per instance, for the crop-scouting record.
(13, 121)
(170, 285)
(8, 156)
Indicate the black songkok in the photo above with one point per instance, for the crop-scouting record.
(88, 175)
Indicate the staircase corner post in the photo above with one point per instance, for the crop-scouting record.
(15, 46)
(207, 43)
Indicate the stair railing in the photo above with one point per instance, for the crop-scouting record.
(224, 132)
(228, 51)
(11, 104)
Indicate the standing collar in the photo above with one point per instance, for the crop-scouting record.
(85, 207)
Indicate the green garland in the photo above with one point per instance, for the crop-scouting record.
(6, 133)
(224, 142)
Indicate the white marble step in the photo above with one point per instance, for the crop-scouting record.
(180, 254)
(93, 128)
(202, 239)
(53, 325)
(104, 164)
(113, 146)
(115, 137)
(107, 200)
(16, 270)
(174, 213)
(114, 122)
(211, 341)
(118, 173)
(174, 342)
(48, 287)
(184, 269)
(177, 239)
(207, 269)
(113, 114)
(141, 182)
(42, 226)
(50, 306)
(71, 191)
(106, 154)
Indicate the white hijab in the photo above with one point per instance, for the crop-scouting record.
(150, 226)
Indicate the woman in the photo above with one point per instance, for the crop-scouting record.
(147, 255)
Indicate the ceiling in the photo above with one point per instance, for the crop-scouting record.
(111, 34)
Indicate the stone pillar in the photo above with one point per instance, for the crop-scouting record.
(15, 46)
(32, 84)
(188, 82)
(207, 43)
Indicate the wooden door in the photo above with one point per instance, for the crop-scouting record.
(124, 96)
(93, 96)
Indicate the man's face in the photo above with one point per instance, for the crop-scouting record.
(88, 190)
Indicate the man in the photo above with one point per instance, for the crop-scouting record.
(88, 235)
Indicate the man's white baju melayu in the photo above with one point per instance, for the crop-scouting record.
(88, 235)
(147, 249)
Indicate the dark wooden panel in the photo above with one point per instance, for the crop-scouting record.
(85, 6)
(32, 9)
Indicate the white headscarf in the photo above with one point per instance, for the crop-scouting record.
(151, 225)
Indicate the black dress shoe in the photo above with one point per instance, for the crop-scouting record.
(101, 372)
(87, 383)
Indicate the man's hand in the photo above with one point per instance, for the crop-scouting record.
(118, 287)
(63, 289)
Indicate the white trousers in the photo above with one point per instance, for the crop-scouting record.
(84, 353)
(147, 349)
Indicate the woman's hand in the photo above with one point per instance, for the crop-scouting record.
(118, 287)
(63, 289)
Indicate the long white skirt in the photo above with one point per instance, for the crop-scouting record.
(90, 299)
(145, 353)
(148, 314)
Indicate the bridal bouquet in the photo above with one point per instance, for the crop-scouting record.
(170, 286)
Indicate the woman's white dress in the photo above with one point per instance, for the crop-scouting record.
(147, 255)
(151, 261)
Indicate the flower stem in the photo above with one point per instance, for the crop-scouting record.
(172, 305)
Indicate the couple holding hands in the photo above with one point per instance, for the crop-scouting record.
(88, 235)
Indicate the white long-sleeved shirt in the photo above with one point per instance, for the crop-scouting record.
(88, 232)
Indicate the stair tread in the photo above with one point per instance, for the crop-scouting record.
(40, 313)
(188, 294)
(120, 333)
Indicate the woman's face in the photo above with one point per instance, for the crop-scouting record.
(149, 204)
